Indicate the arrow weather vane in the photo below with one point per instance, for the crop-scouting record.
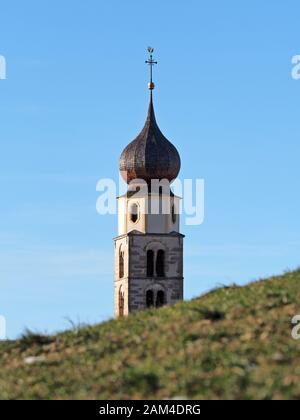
(151, 63)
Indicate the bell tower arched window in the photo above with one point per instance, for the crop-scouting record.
(173, 214)
(160, 211)
(155, 298)
(160, 263)
(160, 299)
(134, 213)
(149, 298)
(150, 263)
(121, 301)
(121, 263)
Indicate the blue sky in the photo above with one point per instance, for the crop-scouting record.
(76, 94)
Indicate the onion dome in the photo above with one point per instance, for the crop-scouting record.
(150, 155)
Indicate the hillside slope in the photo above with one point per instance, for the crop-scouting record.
(231, 343)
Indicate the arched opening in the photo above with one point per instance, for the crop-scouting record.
(149, 298)
(150, 263)
(160, 203)
(160, 299)
(134, 213)
(121, 263)
(160, 263)
(173, 212)
(155, 298)
(121, 301)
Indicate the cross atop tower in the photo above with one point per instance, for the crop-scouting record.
(151, 63)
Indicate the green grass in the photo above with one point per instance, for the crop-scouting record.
(231, 343)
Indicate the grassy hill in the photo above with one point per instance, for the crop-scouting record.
(231, 343)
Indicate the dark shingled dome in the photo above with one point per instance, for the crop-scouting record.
(150, 155)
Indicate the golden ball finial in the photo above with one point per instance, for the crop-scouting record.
(151, 85)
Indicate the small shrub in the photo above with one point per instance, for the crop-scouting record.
(30, 338)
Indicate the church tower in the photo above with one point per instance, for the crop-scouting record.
(149, 246)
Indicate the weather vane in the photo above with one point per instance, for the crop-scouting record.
(151, 63)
